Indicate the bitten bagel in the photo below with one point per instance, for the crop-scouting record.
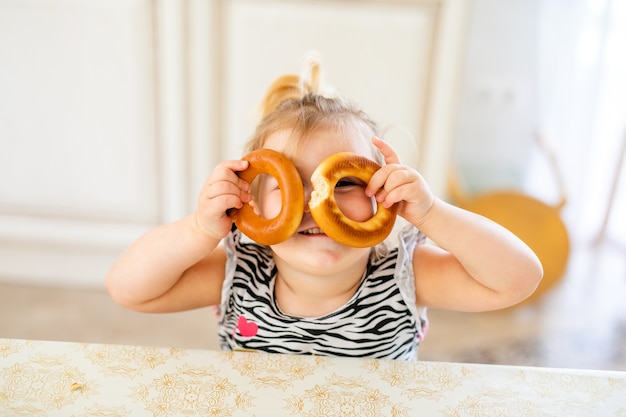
(285, 224)
(327, 214)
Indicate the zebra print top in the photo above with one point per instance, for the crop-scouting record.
(381, 320)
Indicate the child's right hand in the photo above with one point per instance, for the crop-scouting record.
(222, 190)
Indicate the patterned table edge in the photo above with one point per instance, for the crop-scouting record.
(80, 379)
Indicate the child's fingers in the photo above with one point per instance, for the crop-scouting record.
(397, 183)
(230, 168)
(382, 181)
(390, 155)
(396, 180)
(224, 189)
(237, 164)
(377, 182)
(379, 179)
(227, 172)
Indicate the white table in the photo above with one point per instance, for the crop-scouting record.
(39, 378)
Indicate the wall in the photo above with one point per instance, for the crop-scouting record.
(497, 119)
(113, 112)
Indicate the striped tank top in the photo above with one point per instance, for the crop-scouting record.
(381, 320)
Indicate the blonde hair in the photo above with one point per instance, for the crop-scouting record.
(296, 104)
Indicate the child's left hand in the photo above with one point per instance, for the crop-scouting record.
(397, 183)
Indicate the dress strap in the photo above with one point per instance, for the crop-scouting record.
(409, 237)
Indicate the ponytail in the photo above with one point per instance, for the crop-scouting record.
(296, 104)
(292, 87)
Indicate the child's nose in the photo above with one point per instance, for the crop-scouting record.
(307, 196)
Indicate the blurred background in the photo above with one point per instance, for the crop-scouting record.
(113, 112)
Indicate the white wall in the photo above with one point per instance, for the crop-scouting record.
(112, 112)
(498, 112)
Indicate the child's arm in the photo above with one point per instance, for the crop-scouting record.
(180, 266)
(478, 266)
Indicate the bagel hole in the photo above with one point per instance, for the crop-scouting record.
(266, 196)
(351, 199)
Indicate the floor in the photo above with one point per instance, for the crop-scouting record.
(581, 323)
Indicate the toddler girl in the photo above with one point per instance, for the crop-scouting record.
(310, 294)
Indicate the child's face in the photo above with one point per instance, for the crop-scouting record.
(309, 248)
(349, 192)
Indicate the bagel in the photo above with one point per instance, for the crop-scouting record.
(285, 224)
(328, 215)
